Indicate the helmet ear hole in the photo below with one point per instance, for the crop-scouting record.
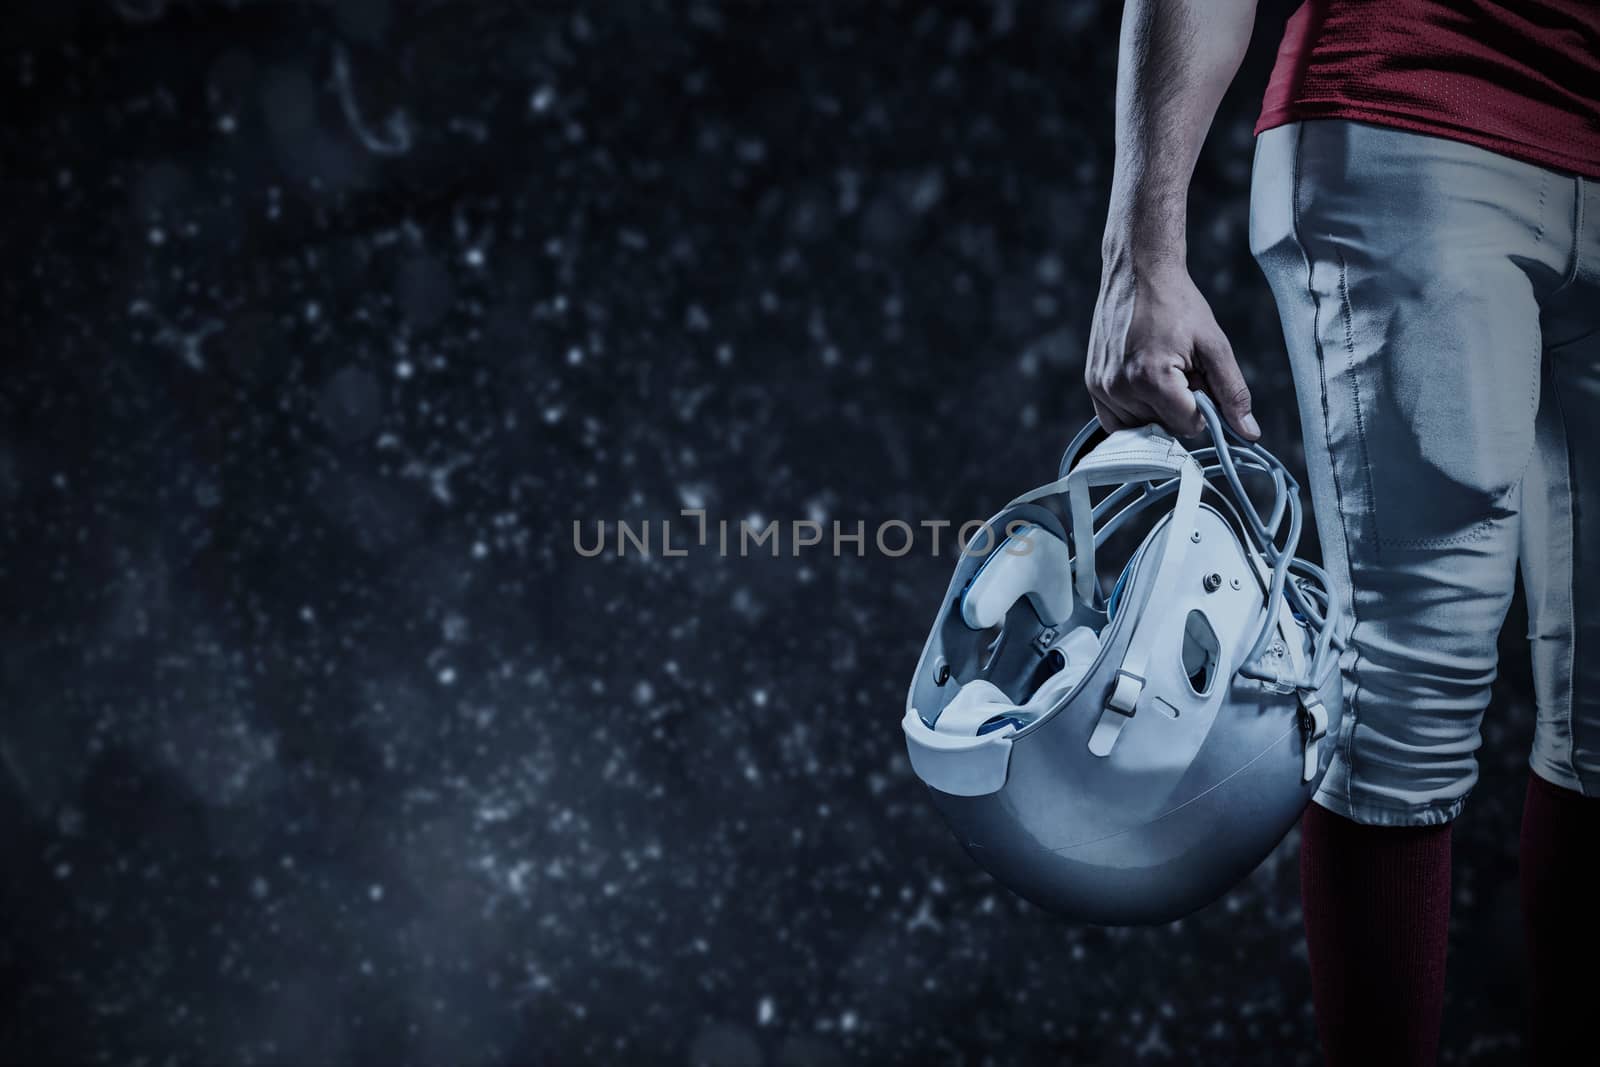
(1201, 650)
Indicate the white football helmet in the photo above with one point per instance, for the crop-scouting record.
(1128, 759)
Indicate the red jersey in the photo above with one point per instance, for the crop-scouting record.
(1518, 78)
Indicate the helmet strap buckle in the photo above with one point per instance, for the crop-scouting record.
(1314, 720)
(1121, 705)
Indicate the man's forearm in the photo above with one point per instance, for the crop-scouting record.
(1177, 58)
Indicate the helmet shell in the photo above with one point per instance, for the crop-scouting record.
(1200, 784)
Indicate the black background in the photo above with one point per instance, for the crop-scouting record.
(320, 744)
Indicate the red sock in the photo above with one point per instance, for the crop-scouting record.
(1560, 923)
(1377, 908)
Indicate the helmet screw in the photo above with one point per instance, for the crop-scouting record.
(941, 673)
(1195, 537)
(1213, 582)
(1234, 584)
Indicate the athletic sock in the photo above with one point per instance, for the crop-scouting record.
(1560, 920)
(1377, 911)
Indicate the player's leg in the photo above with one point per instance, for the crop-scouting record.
(1407, 271)
(1561, 573)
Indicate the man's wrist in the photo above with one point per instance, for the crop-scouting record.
(1143, 252)
(1144, 231)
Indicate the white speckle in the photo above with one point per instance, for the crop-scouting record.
(308, 613)
(924, 918)
(157, 236)
(479, 550)
(517, 876)
(313, 311)
(447, 676)
(227, 123)
(541, 100)
(375, 892)
(63, 871)
(848, 1021)
(574, 356)
(404, 369)
(259, 888)
(758, 697)
(766, 1011)
(643, 693)
(474, 257)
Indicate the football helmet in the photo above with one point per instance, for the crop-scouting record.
(1128, 758)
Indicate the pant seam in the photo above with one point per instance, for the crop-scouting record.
(1477, 533)
(1544, 190)
(1352, 699)
(1572, 598)
(1575, 253)
(1347, 312)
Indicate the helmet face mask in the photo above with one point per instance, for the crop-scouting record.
(1128, 758)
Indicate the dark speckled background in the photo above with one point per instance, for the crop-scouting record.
(319, 744)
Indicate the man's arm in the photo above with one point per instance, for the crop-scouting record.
(1154, 337)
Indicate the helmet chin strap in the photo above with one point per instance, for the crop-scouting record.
(1143, 455)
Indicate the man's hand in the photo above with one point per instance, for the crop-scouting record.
(1154, 338)
(1153, 341)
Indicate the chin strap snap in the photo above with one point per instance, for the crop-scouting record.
(1314, 720)
(1119, 709)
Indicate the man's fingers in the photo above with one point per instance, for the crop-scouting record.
(1109, 405)
(1158, 391)
(1226, 385)
(1172, 403)
(1108, 418)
